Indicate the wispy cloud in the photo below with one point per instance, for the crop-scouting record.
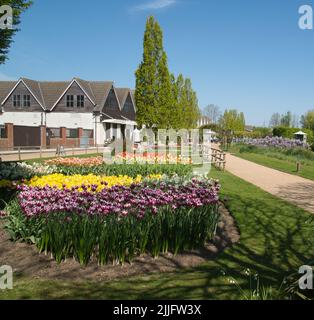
(155, 5)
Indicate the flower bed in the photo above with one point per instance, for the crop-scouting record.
(118, 223)
(152, 158)
(274, 142)
(88, 182)
(131, 170)
(18, 171)
(76, 162)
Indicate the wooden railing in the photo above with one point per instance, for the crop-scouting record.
(215, 156)
(218, 159)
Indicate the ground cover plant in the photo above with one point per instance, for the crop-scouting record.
(116, 223)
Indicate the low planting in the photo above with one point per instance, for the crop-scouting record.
(131, 170)
(273, 142)
(76, 162)
(14, 171)
(89, 182)
(118, 223)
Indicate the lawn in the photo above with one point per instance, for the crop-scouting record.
(276, 238)
(277, 160)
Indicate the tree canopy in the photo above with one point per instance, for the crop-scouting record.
(232, 120)
(6, 35)
(162, 100)
(307, 120)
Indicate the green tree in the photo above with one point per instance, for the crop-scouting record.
(307, 120)
(187, 110)
(191, 111)
(153, 93)
(6, 35)
(232, 120)
(275, 120)
(286, 120)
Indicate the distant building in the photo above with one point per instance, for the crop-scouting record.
(249, 128)
(203, 121)
(68, 113)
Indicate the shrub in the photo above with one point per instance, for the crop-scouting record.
(20, 170)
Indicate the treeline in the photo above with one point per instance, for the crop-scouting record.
(162, 100)
(290, 120)
(231, 120)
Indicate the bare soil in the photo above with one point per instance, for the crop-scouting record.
(26, 261)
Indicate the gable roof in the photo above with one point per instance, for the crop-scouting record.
(49, 93)
(5, 88)
(79, 83)
(32, 87)
(101, 91)
(52, 91)
(122, 94)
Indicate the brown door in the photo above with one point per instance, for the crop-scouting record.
(26, 136)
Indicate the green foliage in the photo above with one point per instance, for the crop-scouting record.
(161, 99)
(112, 238)
(297, 153)
(131, 170)
(286, 120)
(19, 227)
(6, 35)
(232, 120)
(307, 120)
(286, 132)
(153, 94)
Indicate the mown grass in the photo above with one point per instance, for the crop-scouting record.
(276, 160)
(276, 238)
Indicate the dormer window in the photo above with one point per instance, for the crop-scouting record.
(80, 101)
(26, 100)
(70, 101)
(16, 100)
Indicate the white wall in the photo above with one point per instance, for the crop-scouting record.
(70, 120)
(100, 132)
(32, 119)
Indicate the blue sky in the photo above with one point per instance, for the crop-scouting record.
(242, 54)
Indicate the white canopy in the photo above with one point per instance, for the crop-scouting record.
(300, 133)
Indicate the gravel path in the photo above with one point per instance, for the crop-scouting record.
(289, 187)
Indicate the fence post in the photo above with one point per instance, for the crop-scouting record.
(19, 150)
(40, 154)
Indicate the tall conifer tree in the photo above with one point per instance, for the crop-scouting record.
(153, 94)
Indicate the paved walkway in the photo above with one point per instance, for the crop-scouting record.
(289, 187)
